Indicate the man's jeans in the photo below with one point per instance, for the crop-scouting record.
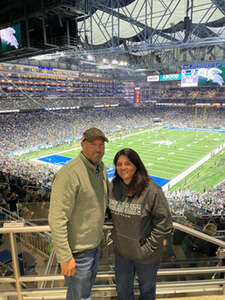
(80, 284)
(125, 271)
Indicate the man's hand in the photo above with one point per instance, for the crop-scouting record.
(68, 268)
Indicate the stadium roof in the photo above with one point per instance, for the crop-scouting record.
(150, 25)
(149, 35)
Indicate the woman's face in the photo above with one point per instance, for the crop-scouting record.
(125, 169)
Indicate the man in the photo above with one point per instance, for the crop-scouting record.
(76, 214)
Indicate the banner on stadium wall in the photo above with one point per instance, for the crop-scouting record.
(153, 78)
(137, 94)
(167, 77)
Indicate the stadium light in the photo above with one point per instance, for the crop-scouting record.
(90, 57)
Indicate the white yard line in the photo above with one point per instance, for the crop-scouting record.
(167, 186)
(61, 152)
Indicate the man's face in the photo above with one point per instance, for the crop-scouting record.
(94, 150)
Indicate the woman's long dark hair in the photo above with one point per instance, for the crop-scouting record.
(140, 179)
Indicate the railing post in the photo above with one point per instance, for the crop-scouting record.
(224, 284)
(15, 264)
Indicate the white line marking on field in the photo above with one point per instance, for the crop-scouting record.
(192, 168)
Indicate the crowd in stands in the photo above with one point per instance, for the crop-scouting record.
(26, 102)
(24, 131)
(23, 181)
(193, 93)
(13, 103)
(210, 203)
(193, 117)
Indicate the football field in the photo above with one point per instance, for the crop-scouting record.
(166, 152)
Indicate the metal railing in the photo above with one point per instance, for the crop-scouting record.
(108, 288)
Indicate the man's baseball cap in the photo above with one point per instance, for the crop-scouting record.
(93, 133)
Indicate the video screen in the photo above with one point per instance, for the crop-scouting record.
(211, 76)
(11, 38)
(214, 76)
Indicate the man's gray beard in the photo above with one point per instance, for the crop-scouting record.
(96, 162)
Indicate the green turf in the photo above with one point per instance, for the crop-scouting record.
(167, 161)
(165, 152)
(206, 176)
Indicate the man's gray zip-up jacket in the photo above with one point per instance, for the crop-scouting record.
(77, 207)
(140, 223)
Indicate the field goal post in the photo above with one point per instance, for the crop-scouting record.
(200, 119)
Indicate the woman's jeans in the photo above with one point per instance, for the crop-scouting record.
(125, 271)
(80, 284)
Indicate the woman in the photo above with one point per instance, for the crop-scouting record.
(141, 219)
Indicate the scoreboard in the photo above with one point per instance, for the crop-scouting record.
(189, 78)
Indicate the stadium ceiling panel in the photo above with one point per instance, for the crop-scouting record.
(148, 25)
(153, 35)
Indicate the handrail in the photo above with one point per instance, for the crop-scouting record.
(168, 287)
(198, 234)
(46, 228)
(111, 274)
(19, 227)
